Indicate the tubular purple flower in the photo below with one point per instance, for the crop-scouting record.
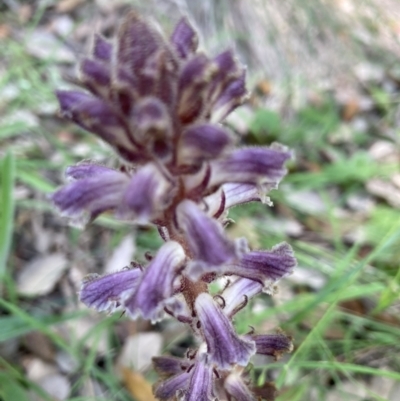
(225, 347)
(87, 169)
(107, 292)
(232, 96)
(250, 165)
(184, 38)
(156, 284)
(203, 142)
(238, 293)
(192, 87)
(86, 198)
(99, 117)
(200, 385)
(102, 48)
(146, 195)
(204, 235)
(266, 267)
(153, 126)
(235, 386)
(137, 41)
(167, 366)
(167, 390)
(95, 75)
(272, 344)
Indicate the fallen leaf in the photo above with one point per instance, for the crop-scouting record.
(139, 349)
(385, 190)
(137, 385)
(40, 276)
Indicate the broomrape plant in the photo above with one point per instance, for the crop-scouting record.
(159, 103)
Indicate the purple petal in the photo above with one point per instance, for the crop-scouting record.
(86, 169)
(184, 38)
(205, 235)
(95, 75)
(232, 96)
(147, 194)
(239, 293)
(200, 386)
(152, 124)
(272, 344)
(156, 285)
(168, 389)
(193, 83)
(168, 365)
(137, 41)
(266, 267)
(229, 71)
(238, 194)
(102, 48)
(225, 347)
(87, 197)
(99, 117)
(250, 165)
(203, 142)
(237, 389)
(106, 293)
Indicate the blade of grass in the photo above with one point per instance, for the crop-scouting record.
(7, 209)
(343, 282)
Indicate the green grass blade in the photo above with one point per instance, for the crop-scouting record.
(7, 209)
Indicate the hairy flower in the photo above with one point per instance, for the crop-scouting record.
(160, 104)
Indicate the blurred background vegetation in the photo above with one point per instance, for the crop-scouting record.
(325, 81)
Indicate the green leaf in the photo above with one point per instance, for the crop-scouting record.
(6, 209)
(11, 390)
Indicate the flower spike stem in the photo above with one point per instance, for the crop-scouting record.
(159, 103)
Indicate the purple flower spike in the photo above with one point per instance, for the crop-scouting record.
(146, 195)
(200, 386)
(203, 142)
(237, 294)
(156, 286)
(225, 347)
(167, 390)
(106, 293)
(272, 344)
(266, 267)
(250, 165)
(235, 386)
(184, 38)
(85, 198)
(204, 235)
(159, 103)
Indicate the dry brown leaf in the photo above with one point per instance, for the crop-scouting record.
(137, 385)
